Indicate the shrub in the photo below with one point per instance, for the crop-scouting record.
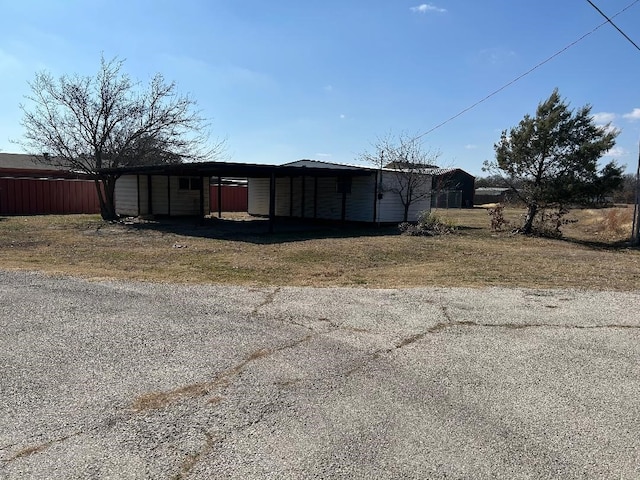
(496, 214)
(549, 222)
(429, 224)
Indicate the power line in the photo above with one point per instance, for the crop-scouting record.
(616, 27)
(559, 52)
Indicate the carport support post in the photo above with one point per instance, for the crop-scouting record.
(202, 196)
(219, 196)
(272, 201)
(302, 197)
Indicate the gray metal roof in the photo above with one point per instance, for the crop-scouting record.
(24, 161)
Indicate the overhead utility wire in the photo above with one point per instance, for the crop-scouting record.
(462, 112)
(615, 26)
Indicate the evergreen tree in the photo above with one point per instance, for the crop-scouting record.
(554, 157)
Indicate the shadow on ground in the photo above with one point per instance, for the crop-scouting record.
(256, 230)
(600, 245)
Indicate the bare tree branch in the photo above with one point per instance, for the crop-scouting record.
(107, 120)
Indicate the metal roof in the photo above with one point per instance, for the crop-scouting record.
(24, 161)
(232, 169)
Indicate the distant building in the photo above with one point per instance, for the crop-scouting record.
(485, 195)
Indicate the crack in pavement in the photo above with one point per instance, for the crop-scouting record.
(192, 459)
(441, 326)
(157, 400)
(269, 298)
(33, 449)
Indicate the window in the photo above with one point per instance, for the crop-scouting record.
(183, 184)
(189, 183)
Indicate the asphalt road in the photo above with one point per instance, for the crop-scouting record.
(133, 380)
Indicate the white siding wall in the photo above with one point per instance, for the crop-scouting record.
(360, 200)
(282, 197)
(183, 202)
(258, 196)
(143, 194)
(359, 205)
(127, 195)
(187, 202)
(159, 195)
(390, 207)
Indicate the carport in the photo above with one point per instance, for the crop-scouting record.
(142, 196)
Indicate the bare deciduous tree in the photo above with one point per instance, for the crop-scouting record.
(409, 163)
(89, 123)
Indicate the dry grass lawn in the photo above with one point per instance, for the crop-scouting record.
(593, 254)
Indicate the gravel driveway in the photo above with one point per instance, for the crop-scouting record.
(133, 380)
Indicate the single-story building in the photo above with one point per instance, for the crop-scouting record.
(304, 189)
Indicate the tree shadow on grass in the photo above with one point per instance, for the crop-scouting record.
(618, 245)
(256, 230)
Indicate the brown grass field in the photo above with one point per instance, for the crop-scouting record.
(593, 254)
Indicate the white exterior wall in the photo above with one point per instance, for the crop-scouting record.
(359, 205)
(143, 194)
(390, 208)
(183, 202)
(126, 195)
(359, 202)
(160, 202)
(187, 202)
(258, 196)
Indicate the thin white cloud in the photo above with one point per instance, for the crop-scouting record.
(323, 155)
(602, 118)
(342, 115)
(616, 152)
(633, 116)
(328, 88)
(427, 7)
(470, 146)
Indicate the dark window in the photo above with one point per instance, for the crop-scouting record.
(183, 183)
(186, 183)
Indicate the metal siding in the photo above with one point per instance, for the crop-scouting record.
(234, 198)
(391, 209)
(329, 201)
(160, 204)
(258, 196)
(360, 200)
(31, 196)
(283, 187)
(127, 195)
(186, 202)
(143, 195)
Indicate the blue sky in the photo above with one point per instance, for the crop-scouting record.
(291, 79)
